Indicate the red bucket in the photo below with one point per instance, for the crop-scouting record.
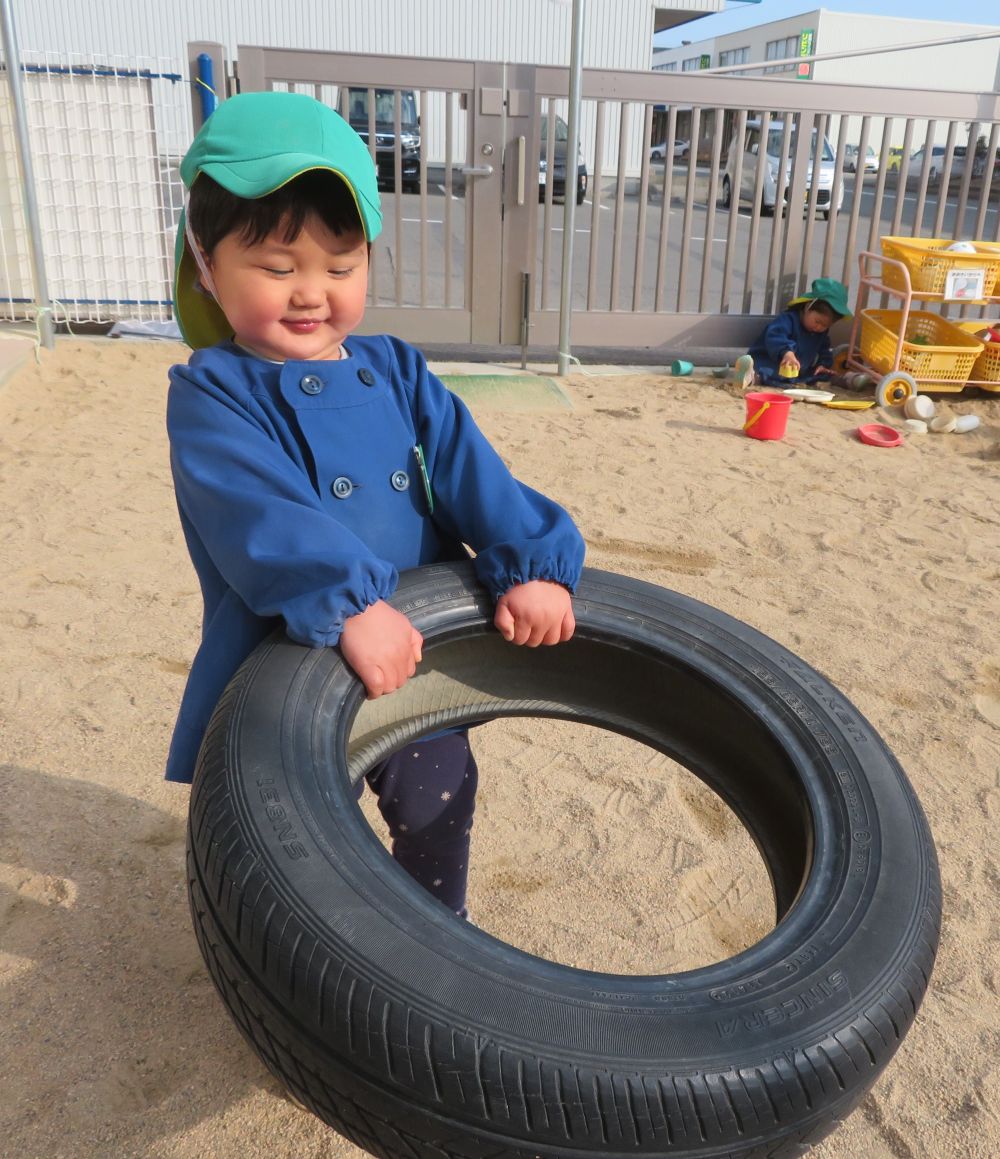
(767, 414)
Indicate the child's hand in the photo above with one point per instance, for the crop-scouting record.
(382, 647)
(789, 359)
(538, 612)
(823, 370)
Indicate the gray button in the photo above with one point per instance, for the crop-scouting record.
(366, 376)
(400, 480)
(311, 384)
(342, 487)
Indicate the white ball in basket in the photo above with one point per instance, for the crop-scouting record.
(961, 247)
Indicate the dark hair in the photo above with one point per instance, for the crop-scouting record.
(214, 212)
(821, 307)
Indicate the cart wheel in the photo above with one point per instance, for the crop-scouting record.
(895, 388)
(840, 353)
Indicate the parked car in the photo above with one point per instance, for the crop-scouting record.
(354, 108)
(559, 146)
(895, 160)
(749, 149)
(659, 152)
(916, 165)
(851, 159)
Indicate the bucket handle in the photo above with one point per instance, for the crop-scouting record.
(755, 416)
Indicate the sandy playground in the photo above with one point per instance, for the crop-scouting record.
(879, 567)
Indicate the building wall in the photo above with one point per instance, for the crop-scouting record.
(970, 67)
(617, 33)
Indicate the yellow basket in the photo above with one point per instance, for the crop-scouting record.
(946, 352)
(928, 261)
(986, 368)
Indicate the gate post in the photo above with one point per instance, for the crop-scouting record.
(12, 54)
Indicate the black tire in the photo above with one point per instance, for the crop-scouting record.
(727, 193)
(415, 1034)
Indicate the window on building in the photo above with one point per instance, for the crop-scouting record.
(692, 64)
(670, 66)
(780, 50)
(734, 56)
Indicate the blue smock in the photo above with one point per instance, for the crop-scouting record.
(785, 333)
(301, 499)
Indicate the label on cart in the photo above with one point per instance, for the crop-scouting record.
(964, 285)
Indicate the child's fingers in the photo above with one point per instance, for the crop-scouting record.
(503, 621)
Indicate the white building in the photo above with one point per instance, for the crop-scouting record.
(972, 66)
(617, 33)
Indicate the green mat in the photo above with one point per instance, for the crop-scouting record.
(509, 391)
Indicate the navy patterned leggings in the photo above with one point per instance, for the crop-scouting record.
(427, 796)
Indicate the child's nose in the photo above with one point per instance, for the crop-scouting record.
(306, 294)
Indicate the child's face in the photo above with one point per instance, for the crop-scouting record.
(816, 321)
(292, 300)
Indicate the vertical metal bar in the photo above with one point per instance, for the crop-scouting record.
(713, 184)
(878, 191)
(771, 294)
(737, 138)
(397, 185)
(668, 193)
(372, 146)
(525, 316)
(616, 229)
(550, 132)
(12, 54)
(640, 229)
(755, 209)
(852, 227)
(812, 199)
(963, 189)
(569, 202)
(918, 212)
(944, 178)
(595, 208)
(449, 102)
(688, 205)
(422, 184)
(987, 182)
(901, 176)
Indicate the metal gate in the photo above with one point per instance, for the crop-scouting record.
(667, 253)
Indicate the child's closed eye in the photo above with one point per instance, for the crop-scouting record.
(274, 270)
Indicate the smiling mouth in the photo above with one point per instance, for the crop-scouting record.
(303, 325)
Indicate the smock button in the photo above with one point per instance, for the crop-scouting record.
(400, 480)
(311, 384)
(342, 487)
(366, 376)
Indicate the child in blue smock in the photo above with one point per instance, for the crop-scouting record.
(798, 338)
(312, 466)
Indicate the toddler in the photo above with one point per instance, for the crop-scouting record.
(311, 465)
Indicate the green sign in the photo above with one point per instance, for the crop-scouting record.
(807, 41)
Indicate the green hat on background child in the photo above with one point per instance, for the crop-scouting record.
(827, 290)
(252, 145)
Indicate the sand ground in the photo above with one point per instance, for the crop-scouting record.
(881, 568)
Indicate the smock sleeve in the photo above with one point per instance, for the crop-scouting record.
(781, 336)
(517, 533)
(250, 511)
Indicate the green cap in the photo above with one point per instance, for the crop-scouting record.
(827, 290)
(252, 145)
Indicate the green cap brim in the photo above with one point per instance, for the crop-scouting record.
(201, 320)
(817, 298)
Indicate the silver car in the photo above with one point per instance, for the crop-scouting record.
(749, 150)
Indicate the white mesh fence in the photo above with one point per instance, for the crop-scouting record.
(105, 135)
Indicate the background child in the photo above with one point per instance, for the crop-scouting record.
(310, 466)
(798, 337)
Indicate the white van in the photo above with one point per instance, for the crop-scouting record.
(750, 150)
